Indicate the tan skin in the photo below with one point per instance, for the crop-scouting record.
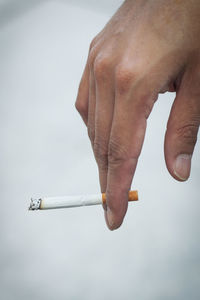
(148, 47)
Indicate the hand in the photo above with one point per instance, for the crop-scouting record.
(148, 47)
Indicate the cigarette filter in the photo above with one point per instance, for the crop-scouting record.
(73, 201)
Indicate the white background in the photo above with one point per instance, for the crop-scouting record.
(45, 151)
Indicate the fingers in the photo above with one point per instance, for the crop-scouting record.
(103, 118)
(126, 139)
(183, 125)
(83, 95)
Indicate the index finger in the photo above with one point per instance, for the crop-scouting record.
(127, 135)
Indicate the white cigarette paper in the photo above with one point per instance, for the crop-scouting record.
(65, 202)
(73, 201)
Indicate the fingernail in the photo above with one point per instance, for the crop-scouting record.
(182, 166)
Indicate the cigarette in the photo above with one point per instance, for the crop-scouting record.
(73, 201)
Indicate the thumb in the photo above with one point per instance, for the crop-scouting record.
(182, 128)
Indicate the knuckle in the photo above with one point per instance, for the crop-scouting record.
(101, 66)
(188, 133)
(81, 107)
(95, 41)
(101, 155)
(92, 44)
(124, 78)
(92, 57)
(116, 153)
(93, 51)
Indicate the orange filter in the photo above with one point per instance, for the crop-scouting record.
(132, 196)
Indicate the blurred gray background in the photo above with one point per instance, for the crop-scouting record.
(44, 151)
